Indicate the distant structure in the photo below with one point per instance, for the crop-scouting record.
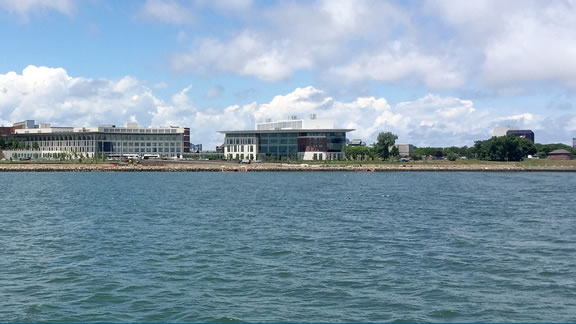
(574, 142)
(312, 139)
(195, 148)
(356, 142)
(504, 131)
(405, 150)
(560, 154)
(45, 141)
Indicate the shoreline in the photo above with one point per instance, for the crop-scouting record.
(222, 166)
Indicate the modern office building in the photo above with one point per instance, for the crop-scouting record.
(312, 139)
(523, 133)
(504, 131)
(105, 139)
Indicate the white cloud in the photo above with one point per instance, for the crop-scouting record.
(246, 54)
(535, 46)
(397, 63)
(24, 7)
(292, 36)
(429, 121)
(442, 44)
(515, 42)
(51, 95)
(167, 11)
(226, 4)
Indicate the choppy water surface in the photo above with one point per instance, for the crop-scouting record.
(299, 247)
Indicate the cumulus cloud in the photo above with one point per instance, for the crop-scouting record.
(24, 7)
(51, 95)
(246, 54)
(429, 121)
(535, 46)
(293, 36)
(515, 42)
(442, 44)
(397, 63)
(166, 11)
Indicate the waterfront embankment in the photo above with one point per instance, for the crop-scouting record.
(223, 166)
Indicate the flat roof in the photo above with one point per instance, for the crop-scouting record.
(268, 131)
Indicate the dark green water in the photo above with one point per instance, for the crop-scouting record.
(298, 247)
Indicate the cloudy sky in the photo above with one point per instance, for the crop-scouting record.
(436, 73)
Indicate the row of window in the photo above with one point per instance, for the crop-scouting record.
(240, 140)
(141, 130)
(239, 148)
(101, 137)
(240, 156)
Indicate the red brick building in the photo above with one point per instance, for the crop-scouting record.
(560, 155)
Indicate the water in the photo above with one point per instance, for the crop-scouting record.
(298, 247)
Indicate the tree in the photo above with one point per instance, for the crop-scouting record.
(504, 148)
(383, 144)
(394, 152)
(544, 149)
(451, 156)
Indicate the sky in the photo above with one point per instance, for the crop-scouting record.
(436, 73)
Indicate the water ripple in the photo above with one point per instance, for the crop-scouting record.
(289, 247)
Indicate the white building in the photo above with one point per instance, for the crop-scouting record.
(50, 141)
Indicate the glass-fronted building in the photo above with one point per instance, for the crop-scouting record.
(89, 141)
(270, 143)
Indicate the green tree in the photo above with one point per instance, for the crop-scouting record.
(504, 148)
(394, 152)
(452, 156)
(383, 144)
(358, 153)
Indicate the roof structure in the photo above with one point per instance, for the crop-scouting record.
(560, 151)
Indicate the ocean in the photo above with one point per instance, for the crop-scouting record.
(288, 247)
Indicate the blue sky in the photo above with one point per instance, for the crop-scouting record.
(439, 73)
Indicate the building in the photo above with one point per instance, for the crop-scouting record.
(312, 139)
(356, 142)
(523, 133)
(48, 141)
(504, 131)
(405, 150)
(560, 154)
(574, 142)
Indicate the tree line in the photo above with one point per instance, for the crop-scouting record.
(502, 148)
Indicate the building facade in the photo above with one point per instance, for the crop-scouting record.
(405, 150)
(89, 141)
(560, 154)
(505, 131)
(289, 139)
